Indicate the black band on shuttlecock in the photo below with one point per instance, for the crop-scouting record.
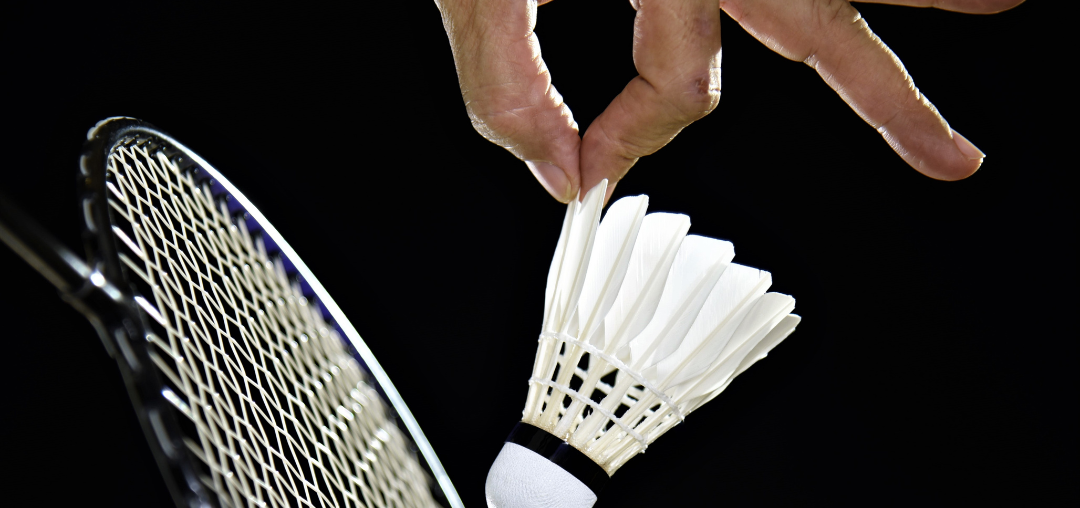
(561, 454)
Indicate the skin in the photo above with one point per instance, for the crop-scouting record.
(510, 99)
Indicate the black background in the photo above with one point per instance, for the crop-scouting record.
(936, 360)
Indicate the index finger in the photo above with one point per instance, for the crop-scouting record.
(677, 55)
(970, 6)
(833, 38)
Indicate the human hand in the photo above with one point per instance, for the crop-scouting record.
(510, 99)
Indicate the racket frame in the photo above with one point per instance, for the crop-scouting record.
(98, 288)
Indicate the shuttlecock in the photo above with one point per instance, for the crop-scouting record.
(642, 325)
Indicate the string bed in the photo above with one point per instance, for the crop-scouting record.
(276, 410)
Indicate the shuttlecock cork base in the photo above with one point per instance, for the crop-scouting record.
(642, 325)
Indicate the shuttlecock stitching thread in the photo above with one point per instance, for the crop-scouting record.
(622, 367)
(566, 390)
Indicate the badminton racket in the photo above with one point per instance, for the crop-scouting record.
(251, 386)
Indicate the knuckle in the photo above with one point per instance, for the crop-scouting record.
(619, 144)
(828, 23)
(704, 26)
(694, 96)
(497, 128)
(501, 113)
(495, 125)
(827, 13)
(521, 117)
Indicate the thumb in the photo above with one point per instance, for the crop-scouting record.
(507, 89)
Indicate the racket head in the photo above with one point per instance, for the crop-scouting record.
(138, 183)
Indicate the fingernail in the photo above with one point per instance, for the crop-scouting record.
(553, 179)
(969, 150)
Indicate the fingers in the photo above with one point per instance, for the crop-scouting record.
(677, 54)
(831, 37)
(969, 6)
(507, 88)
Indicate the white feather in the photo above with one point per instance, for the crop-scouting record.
(728, 302)
(753, 354)
(568, 268)
(698, 265)
(657, 243)
(761, 349)
(763, 316)
(557, 260)
(610, 257)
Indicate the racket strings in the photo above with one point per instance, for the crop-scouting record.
(275, 408)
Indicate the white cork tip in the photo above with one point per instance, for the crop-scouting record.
(521, 478)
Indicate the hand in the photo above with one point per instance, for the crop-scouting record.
(511, 101)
